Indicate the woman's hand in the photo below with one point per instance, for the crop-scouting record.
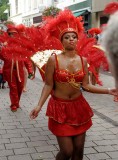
(115, 98)
(34, 113)
(31, 76)
(113, 92)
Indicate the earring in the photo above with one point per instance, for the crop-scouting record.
(63, 50)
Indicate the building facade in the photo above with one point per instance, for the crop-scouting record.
(98, 17)
(28, 12)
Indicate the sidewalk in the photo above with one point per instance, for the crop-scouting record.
(22, 138)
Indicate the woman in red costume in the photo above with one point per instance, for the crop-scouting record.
(68, 111)
(94, 32)
(14, 74)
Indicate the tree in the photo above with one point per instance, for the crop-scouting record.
(3, 6)
(51, 11)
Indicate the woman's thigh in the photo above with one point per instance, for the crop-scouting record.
(78, 141)
(65, 144)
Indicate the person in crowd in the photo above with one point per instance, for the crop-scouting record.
(21, 30)
(2, 81)
(103, 27)
(110, 43)
(94, 32)
(68, 111)
(14, 74)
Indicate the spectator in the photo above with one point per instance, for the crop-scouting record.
(110, 43)
(2, 81)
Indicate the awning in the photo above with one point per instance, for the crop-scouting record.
(77, 14)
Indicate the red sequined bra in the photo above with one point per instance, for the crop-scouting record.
(63, 76)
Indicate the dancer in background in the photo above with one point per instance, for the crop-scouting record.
(14, 71)
(94, 32)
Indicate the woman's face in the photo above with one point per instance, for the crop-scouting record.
(69, 40)
(12, 34)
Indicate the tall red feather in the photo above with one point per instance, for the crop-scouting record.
(111, 8)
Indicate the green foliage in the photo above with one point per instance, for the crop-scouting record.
(3, 6)
(51, 11)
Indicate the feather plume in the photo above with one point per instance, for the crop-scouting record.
(93, 31)
(64, 20)
(111, 8)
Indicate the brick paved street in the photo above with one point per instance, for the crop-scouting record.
(22, 138)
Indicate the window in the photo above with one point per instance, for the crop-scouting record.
(37, 19)
(16, 5)
(103, 20)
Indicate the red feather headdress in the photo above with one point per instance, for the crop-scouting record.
(111, 8)
(64, 22)
(21, 28)
(12, 29)
(93, 31)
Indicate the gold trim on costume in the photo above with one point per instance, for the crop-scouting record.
(18, 71)
(74, 84)
(67, 30)
(70, 123)
(12, 64)
(42, 70)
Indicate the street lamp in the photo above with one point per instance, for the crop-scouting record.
(7, 13)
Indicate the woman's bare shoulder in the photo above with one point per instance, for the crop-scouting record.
(52, 59)
(54, 56)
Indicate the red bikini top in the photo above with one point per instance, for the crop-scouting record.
(64, 76)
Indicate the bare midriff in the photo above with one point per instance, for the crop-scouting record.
(66, 91)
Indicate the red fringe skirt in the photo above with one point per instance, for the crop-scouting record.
(69, 117)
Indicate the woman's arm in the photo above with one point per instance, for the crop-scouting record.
(91, 88)
(48, 82)
(48, 86)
